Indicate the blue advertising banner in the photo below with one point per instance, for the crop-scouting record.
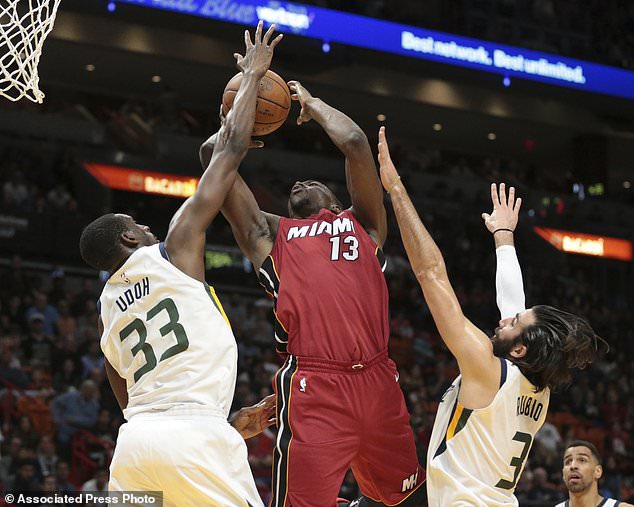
(360, 31)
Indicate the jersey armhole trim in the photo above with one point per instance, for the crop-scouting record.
(503, 371)
(163, 251)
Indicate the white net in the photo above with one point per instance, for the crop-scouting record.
(24, 25)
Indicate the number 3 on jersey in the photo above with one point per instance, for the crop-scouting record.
(351, 245)
(518, 461)
(173, 326)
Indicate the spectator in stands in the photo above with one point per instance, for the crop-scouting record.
(104, 428)
(542, 490)
(25, 480)
(524, 487)
(26, 432)
(48, 312)
(8, 462)
(16, 192)
(58, 197)
(62, 473)
(48, 485)
(37, 345)
(98, 483)
(92, 360)
(66, 323)
(10, 371)
(65, 377)
(12, 313)
(46, 457)
(74, 410)
(548, 437)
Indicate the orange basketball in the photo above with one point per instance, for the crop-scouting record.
(273, 104)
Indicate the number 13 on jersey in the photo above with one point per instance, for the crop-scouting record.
(349, 251)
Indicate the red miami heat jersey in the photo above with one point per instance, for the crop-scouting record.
(331, 300)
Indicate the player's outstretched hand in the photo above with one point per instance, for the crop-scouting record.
(301, 94)
(505, 211)
(251, 421)
(389, 175)
(258, 54)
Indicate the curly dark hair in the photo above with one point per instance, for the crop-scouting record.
(99, 243)
(557, 342)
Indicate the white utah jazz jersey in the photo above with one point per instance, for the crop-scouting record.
(606, 502)
(167, 335)
(475, 457)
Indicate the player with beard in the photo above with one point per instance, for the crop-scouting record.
(582, 471)
(488, 417)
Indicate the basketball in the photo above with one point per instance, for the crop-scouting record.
(273, 104)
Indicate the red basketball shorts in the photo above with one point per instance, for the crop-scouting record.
(333, 416)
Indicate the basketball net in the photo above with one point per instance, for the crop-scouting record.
(24, 25)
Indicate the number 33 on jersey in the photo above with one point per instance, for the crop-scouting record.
(167, 335)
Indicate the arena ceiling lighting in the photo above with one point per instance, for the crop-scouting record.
(587, 244)
(338, 27)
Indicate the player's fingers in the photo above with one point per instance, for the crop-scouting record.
(502, 194)
(276, 41)
(293, 85)
(485, 216)
(384, 149)
(511, 199)
(268, 34)
(518, 205)
(494, 195)
(247, 39)
(258, 32)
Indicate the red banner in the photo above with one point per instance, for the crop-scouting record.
(587, 244)
(146, 182)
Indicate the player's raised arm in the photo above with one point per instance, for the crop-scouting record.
(185, 240)
(361, 177)
(501, 222)
(253, 229)
(470, 346)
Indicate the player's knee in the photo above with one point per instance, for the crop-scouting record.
(417, 499)
(360, 502)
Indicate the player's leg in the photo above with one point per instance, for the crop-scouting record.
(193, 461)
(316, 437)
(387, 467)
(129, 449)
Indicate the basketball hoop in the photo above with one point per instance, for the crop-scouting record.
(24, 25)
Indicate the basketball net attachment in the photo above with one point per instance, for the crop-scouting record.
(24, 25)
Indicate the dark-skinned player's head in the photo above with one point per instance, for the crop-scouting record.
(109, 240)
(308, 197)
(546, 343)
